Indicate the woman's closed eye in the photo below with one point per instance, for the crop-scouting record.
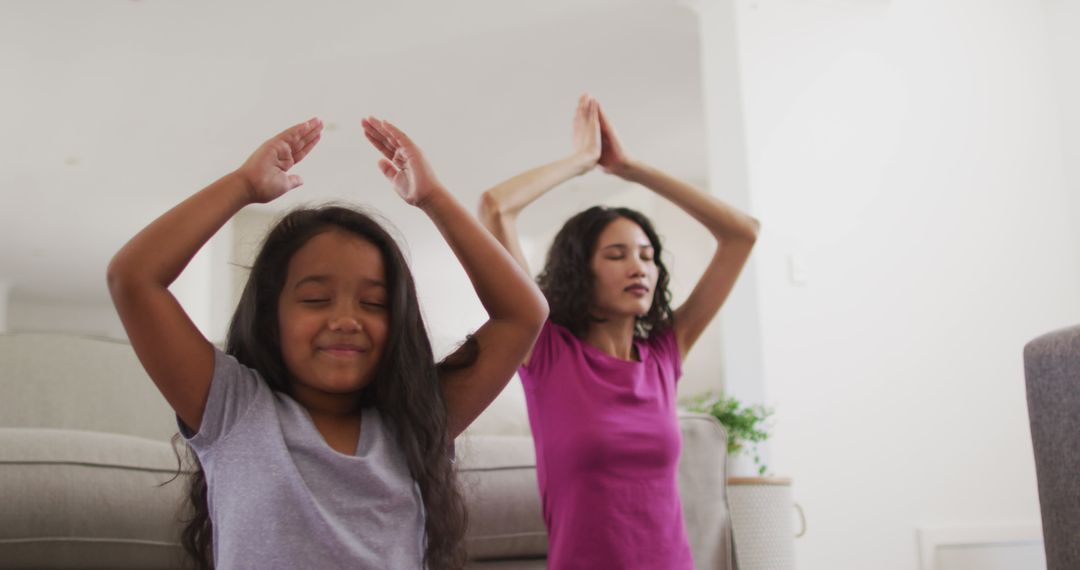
(645, 258)
(314, 300)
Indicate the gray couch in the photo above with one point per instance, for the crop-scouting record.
(84, 461)
(1052, 370)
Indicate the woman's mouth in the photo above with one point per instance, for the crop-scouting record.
(637, 290)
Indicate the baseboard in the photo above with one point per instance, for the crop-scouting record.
(934, 538)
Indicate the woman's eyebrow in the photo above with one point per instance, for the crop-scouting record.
(623, 246)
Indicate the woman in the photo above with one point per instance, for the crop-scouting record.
(600, 380)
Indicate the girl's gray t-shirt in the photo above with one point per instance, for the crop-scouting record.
(280, 497)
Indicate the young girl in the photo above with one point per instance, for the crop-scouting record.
(600, 381)
(324, 430)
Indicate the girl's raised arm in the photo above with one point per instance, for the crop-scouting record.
(735, 234)
(501, 204)
(516, 308)
(174, 353)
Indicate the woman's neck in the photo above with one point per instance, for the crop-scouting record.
(614, 336)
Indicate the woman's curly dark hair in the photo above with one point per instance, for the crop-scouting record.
(568, 281)
(405, 389)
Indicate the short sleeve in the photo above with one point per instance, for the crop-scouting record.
(233, 388)
(665, 347)
(545, 350)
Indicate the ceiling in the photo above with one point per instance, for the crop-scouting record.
(116, 110)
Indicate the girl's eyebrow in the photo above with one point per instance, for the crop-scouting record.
(367, 281)
(312, 279)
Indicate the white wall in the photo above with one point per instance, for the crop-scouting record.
(908, 153)
(203, 289)
(739, 322)
(95, 319)
(1064, 19)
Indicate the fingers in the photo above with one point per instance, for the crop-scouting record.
(294, 180)
(309, 144)
(381, 137)
(391, 141)
(400, 158)
(388, 169)
(400, 137)
(301, 138)
(378, 128)
(397, 148)
(581, 115)
(296, 133)
(604, 124)
(309, 138)
(377, 139)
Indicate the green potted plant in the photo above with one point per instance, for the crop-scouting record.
(746, 425)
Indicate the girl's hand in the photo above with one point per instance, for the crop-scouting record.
(587, 130)
(265, 172)
(613, 158)
(404, 165)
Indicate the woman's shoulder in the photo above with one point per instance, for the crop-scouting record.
(553, 341)
(663, 343)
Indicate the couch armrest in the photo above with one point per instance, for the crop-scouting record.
(703, 490)
(79, 499)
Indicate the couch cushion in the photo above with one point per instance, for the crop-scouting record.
(498, 478)
(76, 499)
(73, 382)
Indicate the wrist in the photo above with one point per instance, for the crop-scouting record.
(240, 187)
(628, 170)
(582, 162)
(434, 200)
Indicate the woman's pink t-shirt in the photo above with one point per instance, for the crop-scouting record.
(607, 452)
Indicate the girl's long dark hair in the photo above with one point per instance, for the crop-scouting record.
(405, 389)
(568, 281)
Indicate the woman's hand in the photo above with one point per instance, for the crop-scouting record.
(266, 172)
(587, 131)
(404, 164)
(613, 158)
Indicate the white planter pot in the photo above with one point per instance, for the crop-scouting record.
(763, 517)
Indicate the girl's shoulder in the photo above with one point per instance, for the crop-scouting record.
(234, 390)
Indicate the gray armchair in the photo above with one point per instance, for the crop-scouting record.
(1052, 371)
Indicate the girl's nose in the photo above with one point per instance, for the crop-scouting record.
(346, 323)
